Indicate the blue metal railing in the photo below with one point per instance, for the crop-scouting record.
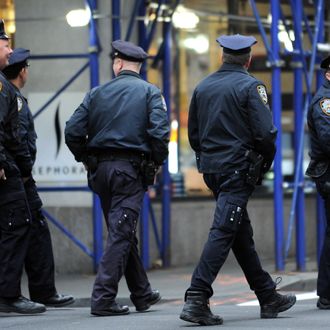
(300, 70)
(94, 80)
(145, 39)
(273, 57)
(300, 137)
(277, 108)
(298, 118)
(166, 197)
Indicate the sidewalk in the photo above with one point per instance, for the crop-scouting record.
(173, 282)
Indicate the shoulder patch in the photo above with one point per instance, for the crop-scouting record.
(19, 103)
(262, 93)
(164, 103)
(0, 86)
(325, 106)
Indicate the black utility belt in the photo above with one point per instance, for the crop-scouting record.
(121, 155)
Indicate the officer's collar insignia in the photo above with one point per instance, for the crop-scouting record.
(0, 86)
(325, 106)
(19, 103)
(262, 93)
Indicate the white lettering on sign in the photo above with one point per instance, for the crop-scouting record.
(54, 160)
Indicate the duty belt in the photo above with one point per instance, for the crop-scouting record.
(117, 154)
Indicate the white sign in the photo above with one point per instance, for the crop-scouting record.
(54, 162)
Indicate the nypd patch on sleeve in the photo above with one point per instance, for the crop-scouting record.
(164, 103)
(325, 106)
(19, 103)
(262, 93)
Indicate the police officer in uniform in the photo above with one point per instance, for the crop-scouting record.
(318, 120)
(39, 261)
(230, 129)
(15, 218)
(119, 131)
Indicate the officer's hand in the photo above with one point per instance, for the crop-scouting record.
(2, 174)
(85, 166)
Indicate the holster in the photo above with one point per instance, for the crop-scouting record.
(255, 173)
(148, 172)
(91, 163)
(317, 168)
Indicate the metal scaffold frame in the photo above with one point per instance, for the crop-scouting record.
(93, 64)
(301, 70)
(302, 73)
(145, 39)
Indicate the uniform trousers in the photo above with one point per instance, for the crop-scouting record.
(323, 279)
(119, 186)
(15, 226)
(231, 229)
(39, 261)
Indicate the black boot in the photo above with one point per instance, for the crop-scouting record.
(57, 300)
(144, 305)
(197, 309)
(323, 303)
(111, 310)
(20, 305)
(275, 304)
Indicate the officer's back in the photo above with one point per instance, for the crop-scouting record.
(224, 98)
(118, 113)
(229, 115)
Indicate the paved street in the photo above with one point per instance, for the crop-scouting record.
(303, 315)
(232, 300)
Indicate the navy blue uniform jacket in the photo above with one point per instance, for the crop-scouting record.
(228, 115)
(126, 113)
(14, 156)
(318, 119)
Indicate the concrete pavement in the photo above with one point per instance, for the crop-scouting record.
(230, 285)
(232, 299)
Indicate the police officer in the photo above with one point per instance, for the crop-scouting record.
(318, 120)
(15, 218)
(119, 131)
(39, 261)
(231, 131)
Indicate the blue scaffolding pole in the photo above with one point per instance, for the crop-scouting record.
(144, 39)
(298, 119)
(320, 210)
(144, 227)
(94, 78)
(94, 81)
(167, 28)
(277, 108)
(116, 30)
(300, 130)
(274, 60)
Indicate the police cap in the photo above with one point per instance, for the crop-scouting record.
(3, 34)
(19, 55)
(127, 51)
(236, 44)
(325, 64)
(17, 61)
